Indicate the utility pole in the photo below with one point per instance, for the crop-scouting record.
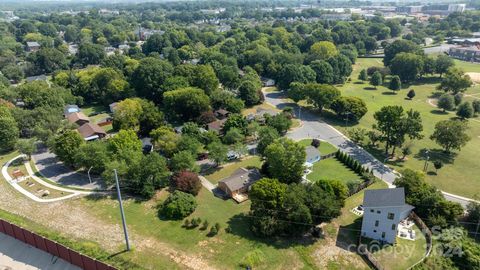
(121, 211)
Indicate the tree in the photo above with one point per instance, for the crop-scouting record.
(285, 159)
(408, 66)
(233, 136)
(26, 147)
(323, 71)
(189, 143)
(281, 122)
(249, 93)
(457, 98)
(92, 155)
(350, 108)
(438, 165)
(451, 134)
(411, 94)
(376, 79)
(266, 135)
(127, 114)
(395, 125)
(48, 60)
(187, 182)
(320, 95)
(205, 79)
(294, 73)
(357, 135)
(399, 46)
(217, 152)
(125, 145)
(90, 54)
(446, 102)
(429, 202)
(476, 106)
(66, 145)
(395, 84)
(223, 99)
(455, 81)
(443, 63)
(178, 205)
(183, 161)
(147, 174)
(165, 140)
(149, 76)
(363, 76)
(342, 68)
(186, 103)
(322, 50)
(236, 121)
(465, 110)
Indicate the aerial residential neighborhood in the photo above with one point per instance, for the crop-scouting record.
(270, 134)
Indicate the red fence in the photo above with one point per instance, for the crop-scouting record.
(52, 247)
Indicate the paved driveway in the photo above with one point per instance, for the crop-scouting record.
(16, 255)
(313, 127)
(50, 167)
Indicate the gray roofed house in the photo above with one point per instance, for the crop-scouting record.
(33, 46)
(384, 209)
(42, 77)
(237, 185)
(313, 154)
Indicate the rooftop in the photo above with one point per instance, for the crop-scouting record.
(384, 197)
(77, 116)
(90, 129)
(241, 178)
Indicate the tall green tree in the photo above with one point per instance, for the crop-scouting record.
(395, 84)
(149, 76)
(66, 145)
(451, 134)
(465, 110)
(446, 102)
(186, 103)
(285, 159)
(455, 81)
(376, 79)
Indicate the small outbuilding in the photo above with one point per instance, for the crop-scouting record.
(237, 185)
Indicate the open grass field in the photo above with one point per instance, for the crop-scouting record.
(224, 251)
(325, 148)
(331, 168)
(96, 114)
(461, 170)
(217, 174)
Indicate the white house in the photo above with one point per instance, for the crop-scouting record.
(383, 210)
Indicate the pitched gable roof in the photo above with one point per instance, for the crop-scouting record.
(90, 129)
(77, 116)
(241, 178)
(384, 197)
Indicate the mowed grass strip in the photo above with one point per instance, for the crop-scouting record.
(460, 172)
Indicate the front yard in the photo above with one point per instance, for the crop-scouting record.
(214, 175)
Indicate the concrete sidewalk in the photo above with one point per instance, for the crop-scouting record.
(17, 255)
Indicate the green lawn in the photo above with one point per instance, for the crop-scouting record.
(460, 173)
(97, 113)
(325, 147)
(224, 251)
(331, 169)
(226, 170)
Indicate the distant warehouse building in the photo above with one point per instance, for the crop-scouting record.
(470, 54)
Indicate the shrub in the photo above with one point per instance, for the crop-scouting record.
(186, 223)
(252, 259)
(316, 143)
(178, 205)
(213, 231)
(187, 182)
(204, 225)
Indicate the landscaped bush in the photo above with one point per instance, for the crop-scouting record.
(178, 205)
(316, 143)
(252, 259)
(187, 182)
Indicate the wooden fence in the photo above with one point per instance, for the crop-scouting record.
(52, 247)
(363, 251)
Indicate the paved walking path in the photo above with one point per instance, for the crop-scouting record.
(16, 255)
(207, 184)
(20, 189)
(313, 127)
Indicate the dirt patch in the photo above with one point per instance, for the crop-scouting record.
(474, 76)
(74, 220)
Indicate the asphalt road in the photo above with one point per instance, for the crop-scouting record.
(313, 127)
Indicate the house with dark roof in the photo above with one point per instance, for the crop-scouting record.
(90, 132)
(384, 209)
(77, 118)
(237, 185)
(221, 114)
